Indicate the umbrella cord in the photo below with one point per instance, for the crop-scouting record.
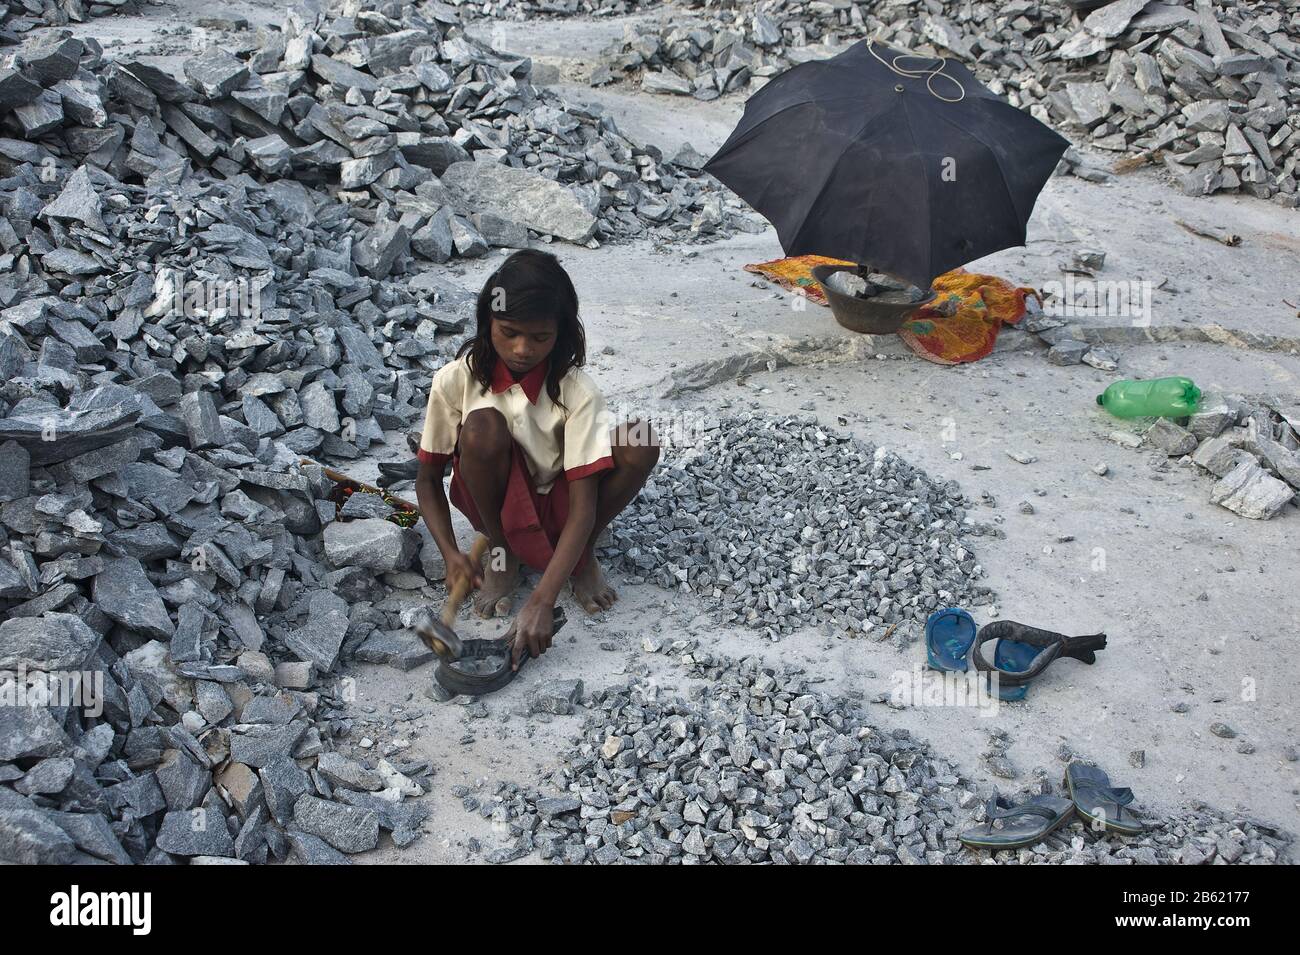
(914, 74)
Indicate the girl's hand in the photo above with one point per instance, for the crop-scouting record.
(461, 568)
(533, 630)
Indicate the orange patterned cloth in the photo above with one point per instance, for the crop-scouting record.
(979, 305)
(796, 273)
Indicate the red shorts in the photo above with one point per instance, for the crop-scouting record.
(532, 522)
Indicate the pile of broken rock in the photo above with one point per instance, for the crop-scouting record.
(21, 16)
(1252, 448)
(440, 144)
(1212, 89)
(759, 766)
(545, 9)
(778, 523)
(172, 343)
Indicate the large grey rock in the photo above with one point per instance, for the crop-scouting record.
(50, 59)
(393, 816)
(138, 795)
(319, 639)
(346, 828)
(312, 850)
(1091, 102)
(433, 240)
(1221, 454)
(199, 412)
(124, 592)
(182, 780)
(215, 73)
(341, 771)
(434, 152)
(283, 781)
(30, 731)
(92, 834)
(15, 471)
(14, 583)
(263, 745)
(1252, 492)
(666, 81)
(521, 196)
(1208, 115)
(270, 153)
(54, 641)
(29, 837)
(49, 776)
(341, 75)
(42, 115)
(212, 701)
(197, 832)
(1170, 438)
(16, 90)
(466, 239)
(398, 648)
(1212, 416)
(109, 459)
(78, 202)
(319, 408)
(1113, 18)
(384, 243)
(375, 544)
(74, 431)
(1067, 352)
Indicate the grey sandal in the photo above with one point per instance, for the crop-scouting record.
(1021, 825)
(1099, 803)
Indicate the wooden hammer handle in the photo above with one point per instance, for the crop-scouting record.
(462, 588)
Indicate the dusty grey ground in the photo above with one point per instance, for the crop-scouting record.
(1198, 603)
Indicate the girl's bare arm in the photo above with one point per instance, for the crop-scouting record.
(432, 498)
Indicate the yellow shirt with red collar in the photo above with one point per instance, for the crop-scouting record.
(573, 440)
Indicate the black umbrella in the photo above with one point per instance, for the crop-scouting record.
(904, 163)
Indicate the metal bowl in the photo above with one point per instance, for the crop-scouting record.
(865, 315)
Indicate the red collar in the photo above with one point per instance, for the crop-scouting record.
(503, 379)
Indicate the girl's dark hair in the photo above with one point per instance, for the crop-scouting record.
(529, 285)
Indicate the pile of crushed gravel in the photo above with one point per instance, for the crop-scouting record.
(758, 767)
(779, 523)
(544, 9)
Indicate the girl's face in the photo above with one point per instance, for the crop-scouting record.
(523, 345)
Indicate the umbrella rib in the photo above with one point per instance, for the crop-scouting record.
(749, 133)
(1011, 197)
(853, 141)
(911, 133)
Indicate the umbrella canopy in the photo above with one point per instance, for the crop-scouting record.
(905, 163)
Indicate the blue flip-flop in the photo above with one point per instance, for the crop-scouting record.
(948, 635)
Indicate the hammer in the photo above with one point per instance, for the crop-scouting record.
(437, 634)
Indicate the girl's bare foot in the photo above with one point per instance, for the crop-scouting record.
(591, 589)
(499, 583)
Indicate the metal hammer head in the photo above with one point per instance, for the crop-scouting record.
(439, 638)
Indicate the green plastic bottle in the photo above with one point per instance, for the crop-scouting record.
(1158, 398)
